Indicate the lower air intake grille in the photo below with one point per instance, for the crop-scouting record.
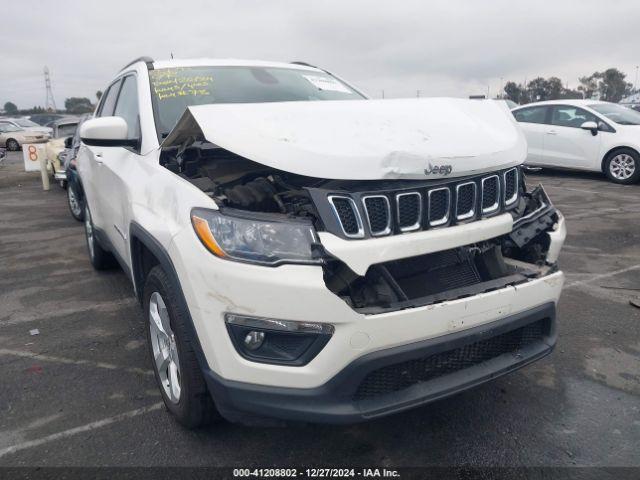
(397, 377)
(345, 209)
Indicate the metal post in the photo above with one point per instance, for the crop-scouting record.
(43, 172)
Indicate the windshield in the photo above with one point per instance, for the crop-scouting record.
(9, 128)
(23, 122)
(617, 113)
(174, 89)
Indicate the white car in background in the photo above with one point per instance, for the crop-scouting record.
(26, 124)
(13, 137)
(583, 135)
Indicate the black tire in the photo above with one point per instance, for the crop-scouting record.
(615, 157)
(100, 258)
(13, 145)
(76, 205)
(195, 407)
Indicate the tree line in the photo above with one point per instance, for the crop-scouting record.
(609, 85)
(74, 105)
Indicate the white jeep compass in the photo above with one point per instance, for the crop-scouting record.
(303, 252)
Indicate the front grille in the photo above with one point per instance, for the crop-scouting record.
(439, 203)
(465, 200)
(409, 210)
(399, 376)
(378, 214)
(510, 186)
(347, 213)
(412, 208)
(490, 194)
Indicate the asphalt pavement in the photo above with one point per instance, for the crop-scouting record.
(80, 392)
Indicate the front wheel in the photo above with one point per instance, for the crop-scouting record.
(623, 166)
(13, 145)
(174, 361)
(75, 204)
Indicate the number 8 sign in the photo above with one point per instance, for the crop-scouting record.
(31, 155)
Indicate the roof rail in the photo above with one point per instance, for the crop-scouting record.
(147, 60)
(305, 64)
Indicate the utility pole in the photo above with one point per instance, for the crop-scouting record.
(501, 93)
(383, 94)
(50, 103)
(635, 83)
(417, 93)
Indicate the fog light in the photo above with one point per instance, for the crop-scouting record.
(284, 342)
(253, 340)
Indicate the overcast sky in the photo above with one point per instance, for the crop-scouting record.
(450, 48)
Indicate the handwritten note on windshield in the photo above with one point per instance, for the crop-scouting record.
(179, 82)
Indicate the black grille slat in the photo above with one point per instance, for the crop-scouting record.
(465, 200)
(490, 193)
(347, 215)
(510, 184)
(409, 208)
(419, 205)
(377, 209)
(399, 376)
(439, 205)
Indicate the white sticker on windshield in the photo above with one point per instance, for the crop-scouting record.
(327, 83)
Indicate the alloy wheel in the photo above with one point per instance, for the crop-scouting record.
(164, 348)
(76, 208)
(622, 166)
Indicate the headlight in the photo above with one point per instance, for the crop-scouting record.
(264, 239)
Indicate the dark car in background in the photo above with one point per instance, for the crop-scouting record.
(44, 118)
(75, 193)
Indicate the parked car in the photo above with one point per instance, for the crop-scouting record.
(75, 194)
(62, 129)
(26, 124)
(14, 137)
(44, 118)
(3, 154)
(583, 135)
(304, 252)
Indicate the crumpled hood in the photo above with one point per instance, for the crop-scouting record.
(363, 139)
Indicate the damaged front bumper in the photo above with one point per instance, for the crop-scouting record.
(514, 313)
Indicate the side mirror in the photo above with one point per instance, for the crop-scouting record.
(593, 126)
(106, 132)
(68, 142)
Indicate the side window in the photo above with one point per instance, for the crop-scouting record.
(569, 116)
(127, 106)
(109, 102)
(531, 114)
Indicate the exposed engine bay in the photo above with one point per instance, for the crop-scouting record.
(235, 182)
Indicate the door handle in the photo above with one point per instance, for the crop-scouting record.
(98, 157)
(552, 132)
